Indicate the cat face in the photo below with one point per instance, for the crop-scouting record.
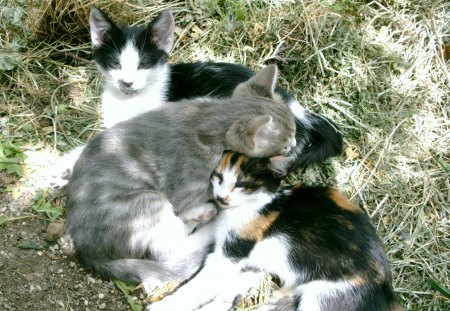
(262, 135)
(131, 58)
(239, 180)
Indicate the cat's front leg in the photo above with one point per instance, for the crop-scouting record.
(202, 289)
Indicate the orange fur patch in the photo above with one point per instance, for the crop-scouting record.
(345, 222)
(226, 162)
(357, 280)
(343, 202)
(255, 229)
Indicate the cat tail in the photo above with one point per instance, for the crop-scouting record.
(317, 137)
(151, 271)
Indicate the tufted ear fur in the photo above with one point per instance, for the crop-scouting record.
(101, 26)
(262, 84)
(161, 31)
(252, 136)
(281, 165)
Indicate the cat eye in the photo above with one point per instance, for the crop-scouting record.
(243, 184)
(142, 65)
(217, 175)
(146, 62)
(115, 64)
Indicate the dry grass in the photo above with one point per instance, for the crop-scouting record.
(379, 69)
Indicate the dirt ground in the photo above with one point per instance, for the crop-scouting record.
(39, 275)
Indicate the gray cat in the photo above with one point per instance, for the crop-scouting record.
(132, 180)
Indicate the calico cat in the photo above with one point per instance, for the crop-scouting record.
(133, 61)
(131, 180)
(321, 246)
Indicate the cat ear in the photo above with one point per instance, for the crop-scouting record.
(259, 130)
(252, 136)
(100, 25)
(281, 165)
(161, 31)
(261, 84)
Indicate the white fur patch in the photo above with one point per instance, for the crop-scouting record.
(217, 275)
(271, 255)
(299, 112)
(315, 293)
(169, 231)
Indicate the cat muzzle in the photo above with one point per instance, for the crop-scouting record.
(221, 201)
(127, 87)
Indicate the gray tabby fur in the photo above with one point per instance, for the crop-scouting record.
(131, 180)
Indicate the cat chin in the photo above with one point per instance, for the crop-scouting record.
(129, 91)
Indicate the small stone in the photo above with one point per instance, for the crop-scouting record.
(90, 279)
(60, 271)
(101, 296)
(102, 306)
(86, 302)
(39, 253)
(72, 264)
(54, 231)
(34, 288)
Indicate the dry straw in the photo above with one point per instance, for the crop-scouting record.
(378, 69)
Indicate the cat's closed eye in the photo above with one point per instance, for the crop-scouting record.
(115, 64)
(216, 176)
(146, 62)
(243, 184)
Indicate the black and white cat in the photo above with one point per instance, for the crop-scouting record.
(133, 61)
(132, 180)
(321, 247)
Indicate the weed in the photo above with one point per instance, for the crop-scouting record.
(45, 204)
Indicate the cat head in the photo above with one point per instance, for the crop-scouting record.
(262, 135)
(240, 180)
(131, 57)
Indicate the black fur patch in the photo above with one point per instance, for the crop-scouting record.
(237, 248)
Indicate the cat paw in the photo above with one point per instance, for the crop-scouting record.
(197, 216)
(59, 178)
(201, 213)
(60, 173)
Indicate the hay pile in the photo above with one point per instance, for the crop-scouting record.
(379, 70)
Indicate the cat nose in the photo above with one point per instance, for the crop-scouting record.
(126, 84)
(221, 200)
